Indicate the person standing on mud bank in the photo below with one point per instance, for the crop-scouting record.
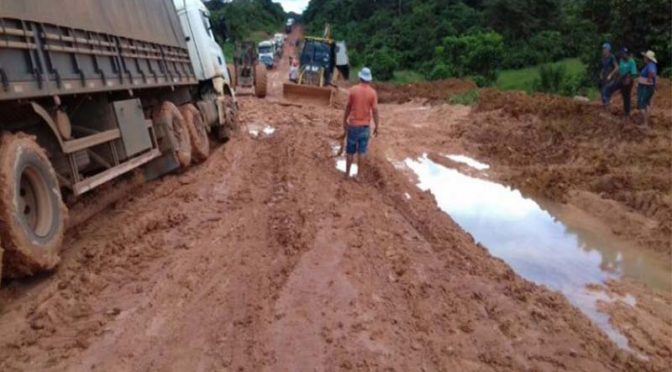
(362, 107)
(627, 72)
(608, 69)
(647, 85)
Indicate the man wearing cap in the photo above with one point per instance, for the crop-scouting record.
(608, 69)
(361, 109)
(647, 85)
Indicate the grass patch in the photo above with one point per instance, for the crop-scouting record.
(258, 36)
(523, 79)
(469, 98)
(407, 77)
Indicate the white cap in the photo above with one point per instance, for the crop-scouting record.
(365, 74)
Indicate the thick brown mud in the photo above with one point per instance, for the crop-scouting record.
(265, 258)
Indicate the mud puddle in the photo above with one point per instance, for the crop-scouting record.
(469, 161)
(341, 165)
(257, 129)
(536, 244)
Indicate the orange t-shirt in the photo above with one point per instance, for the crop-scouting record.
(362, 100)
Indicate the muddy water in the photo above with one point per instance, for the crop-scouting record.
(468, 161)
(341, 166)
(257, 128)
(536, 244)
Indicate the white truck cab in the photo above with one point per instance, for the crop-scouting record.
(205, 53)
(266, 51)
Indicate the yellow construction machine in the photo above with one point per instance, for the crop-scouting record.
(320, 59)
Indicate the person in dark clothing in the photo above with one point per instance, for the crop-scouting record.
(627, 72)
(608, 69)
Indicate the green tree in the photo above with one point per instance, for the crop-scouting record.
(237, 19)
(383, 63)
(533, 31)
(477, 55)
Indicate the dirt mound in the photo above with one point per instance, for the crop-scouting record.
(558, 145)
(430, 91)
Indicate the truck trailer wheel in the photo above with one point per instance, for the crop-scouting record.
(200, 144)
(170, 118)
(260, 81)
(32, 214)
(227, 106)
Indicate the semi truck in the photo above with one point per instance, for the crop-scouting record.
(92, 91)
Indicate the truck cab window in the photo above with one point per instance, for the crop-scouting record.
(206, 23)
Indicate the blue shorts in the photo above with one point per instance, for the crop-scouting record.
(358, 140)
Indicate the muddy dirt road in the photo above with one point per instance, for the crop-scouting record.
(265, 259)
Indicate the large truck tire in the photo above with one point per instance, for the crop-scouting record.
(200, 144)
(260, 81)
(170, 118)
(33, 216)
(227, 106)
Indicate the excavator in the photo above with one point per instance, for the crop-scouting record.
(321, 62)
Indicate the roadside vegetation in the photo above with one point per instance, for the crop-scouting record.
(242, 19)
(480, 38)
(525, 78)
(239, 20)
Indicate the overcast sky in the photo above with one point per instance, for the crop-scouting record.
(297, 6)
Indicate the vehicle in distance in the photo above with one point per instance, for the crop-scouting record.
(266, 52)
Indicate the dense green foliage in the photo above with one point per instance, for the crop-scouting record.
(529, 78)
(242, 19)
(478, 54)
(447, 38)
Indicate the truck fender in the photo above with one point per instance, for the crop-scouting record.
(42, 112)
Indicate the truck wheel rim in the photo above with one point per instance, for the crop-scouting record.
(34, 206)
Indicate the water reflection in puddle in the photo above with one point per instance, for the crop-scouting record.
(340, 165)
(468, 161)
(519, 231)
(255, 129)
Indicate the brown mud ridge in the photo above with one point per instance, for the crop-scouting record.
(436, 91)
(571, 151)
(264, 258)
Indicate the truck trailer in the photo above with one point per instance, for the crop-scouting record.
(92, 90)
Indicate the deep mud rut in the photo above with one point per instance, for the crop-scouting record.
(264, 259)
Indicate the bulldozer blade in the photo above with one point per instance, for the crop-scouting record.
(307, 93)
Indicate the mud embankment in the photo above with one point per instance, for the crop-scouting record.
(571, 151)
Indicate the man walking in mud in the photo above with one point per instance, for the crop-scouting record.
(362, 108)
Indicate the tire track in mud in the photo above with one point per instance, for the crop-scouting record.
(112, 270)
